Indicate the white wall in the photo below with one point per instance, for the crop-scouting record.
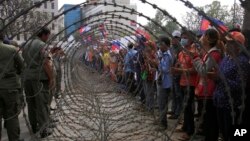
(112, 8)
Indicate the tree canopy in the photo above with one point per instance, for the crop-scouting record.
(192, 20)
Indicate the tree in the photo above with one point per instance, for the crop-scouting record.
(238, 12)
(163, 21)
(215, 10)
(27, 23)
(192, 20)
(159, 18)
(171, 26)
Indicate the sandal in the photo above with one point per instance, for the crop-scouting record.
(184, 137)
(199, 132)
(179, 130)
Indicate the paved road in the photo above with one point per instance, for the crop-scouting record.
(93, 108)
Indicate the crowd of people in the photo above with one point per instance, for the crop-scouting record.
(33, 69)
(211, 68)
(214, 70)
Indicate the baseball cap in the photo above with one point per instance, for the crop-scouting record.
(176, 33)
(238, 36)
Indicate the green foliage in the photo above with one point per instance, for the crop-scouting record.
(163, 21)
(192, 20)
(215, 10)
(170, 26)
(27, 23)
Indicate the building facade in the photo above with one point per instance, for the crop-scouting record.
(23, 27)
(71, 21)
(112, 28)
(50, 8)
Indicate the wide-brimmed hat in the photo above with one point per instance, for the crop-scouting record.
(238, 36)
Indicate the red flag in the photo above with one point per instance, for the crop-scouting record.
(140, 31)
(115, 46)
(81, 30)
(205, 24)
(132, 23)
(84, 29)
(101, 27)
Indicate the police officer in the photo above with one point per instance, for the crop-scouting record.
(38, 80)
(11, 65)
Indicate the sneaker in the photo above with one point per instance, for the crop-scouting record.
(173, 117)
(179, 130)
(34, 129)
(184, 137)
(200, 132)
(162, 127)
(196, 115)
(52, 109)
(170, 112)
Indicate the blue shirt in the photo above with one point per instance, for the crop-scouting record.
(128, 61)
(164, 69)
(234, 72)
(138, 59)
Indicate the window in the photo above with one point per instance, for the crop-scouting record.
(17, 24)
(31, 3)
(45, 14)
(52, 14)
(38, 15)
(53, 26)
(25, 36)
(31, 14)
(18, 37)
(2, 12)
(45, 5)
(52, 5)
(25, 16)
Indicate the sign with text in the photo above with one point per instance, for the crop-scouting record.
(240, 133)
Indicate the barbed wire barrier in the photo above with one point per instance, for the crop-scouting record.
(92, 107)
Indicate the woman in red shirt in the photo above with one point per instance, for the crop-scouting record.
(206, 66)
(184, 66)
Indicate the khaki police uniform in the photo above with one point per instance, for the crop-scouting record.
(36, 84)
(11, 65)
